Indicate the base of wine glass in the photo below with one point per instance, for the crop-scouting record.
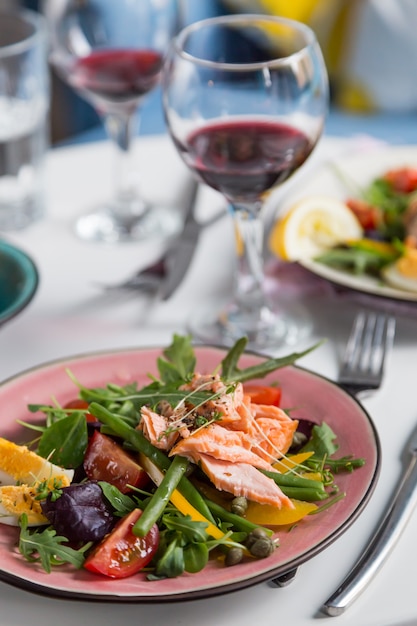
(273, 329)
(103, 225)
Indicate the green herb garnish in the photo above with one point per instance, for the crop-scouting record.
(46, 547)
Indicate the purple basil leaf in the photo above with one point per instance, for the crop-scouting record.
(81, 513)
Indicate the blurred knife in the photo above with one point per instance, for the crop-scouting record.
(182, 249)
(166, 274)
(178, 258)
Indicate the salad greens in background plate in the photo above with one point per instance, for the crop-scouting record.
(310, 396)
(344, 178)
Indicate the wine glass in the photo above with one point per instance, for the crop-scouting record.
(112, 54)
(245, 99)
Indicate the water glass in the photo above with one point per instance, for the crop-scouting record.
(24, 117)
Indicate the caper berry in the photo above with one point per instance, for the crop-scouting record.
(262, 547)
(299, 439)
(233, 556)
(239, 506)
(254, 535)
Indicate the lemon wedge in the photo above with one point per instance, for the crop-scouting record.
(312, 226)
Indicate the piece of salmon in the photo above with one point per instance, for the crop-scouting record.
(243, 479)
(155, 427)
(274, 431)
(230, 438)
(220, 443)
(225, 402)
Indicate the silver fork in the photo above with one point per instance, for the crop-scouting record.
(362, 369)
(371, 338)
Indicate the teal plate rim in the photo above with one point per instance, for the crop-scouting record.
(29, 284)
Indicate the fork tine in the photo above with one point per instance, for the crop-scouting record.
(371, 337)
(387, 340)
(351, 354)
(370, 345)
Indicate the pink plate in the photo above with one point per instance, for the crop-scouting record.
(315, 397)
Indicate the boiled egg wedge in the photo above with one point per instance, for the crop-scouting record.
(21, 474)
(403, 273)
(18, 464)
(18, 499)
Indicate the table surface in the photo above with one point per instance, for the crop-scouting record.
(70, 315)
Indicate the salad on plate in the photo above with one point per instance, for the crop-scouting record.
(163, 478)
(371, 232)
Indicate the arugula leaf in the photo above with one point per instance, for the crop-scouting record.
(45, 547)
(359, 261)
(65, 441)
(192, 530)
(52, 413)
(321, 442)
(229, 363)
(121, 503)
(180, 363)
(232, 373)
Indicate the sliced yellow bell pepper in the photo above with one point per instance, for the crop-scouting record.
(372, 245)
(313, 476)
(267, 515)
(290, 462)
(182, 504)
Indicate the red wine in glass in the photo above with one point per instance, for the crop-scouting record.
(117, 76)
(245, 98)
(245, 158)
(112, 54)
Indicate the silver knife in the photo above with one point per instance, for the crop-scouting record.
(165, 275)
(178, 257)
(386, 535)
(182, 249)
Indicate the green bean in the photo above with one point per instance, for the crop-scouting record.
(304, 493)
(292, 480)
(298, 487)
(137, 439)
(160, 497)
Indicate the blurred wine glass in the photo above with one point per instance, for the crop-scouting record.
(245, 99)
(112, 52)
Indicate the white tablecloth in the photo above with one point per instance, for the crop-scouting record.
(70, 315)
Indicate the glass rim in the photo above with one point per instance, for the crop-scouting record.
(180, 38)
(27, 16)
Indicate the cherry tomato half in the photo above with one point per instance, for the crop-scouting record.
(121, 553)
(106, 460)
(368, 216)
(263, 394)
(403, 179)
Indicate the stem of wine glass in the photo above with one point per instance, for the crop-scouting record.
(121, 128)
(250, 296)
